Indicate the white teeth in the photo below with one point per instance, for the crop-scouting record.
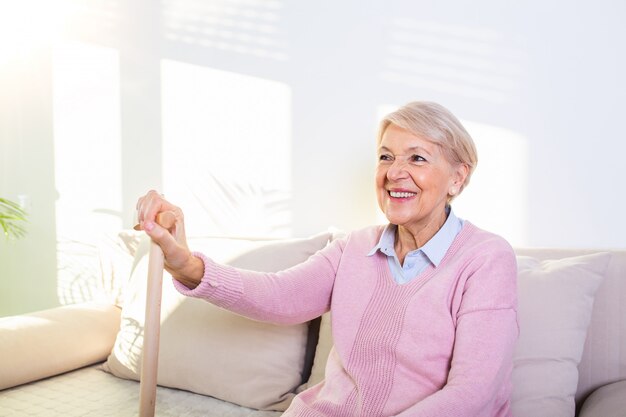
(397, 194)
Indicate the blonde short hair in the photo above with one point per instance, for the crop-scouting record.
(437, 124)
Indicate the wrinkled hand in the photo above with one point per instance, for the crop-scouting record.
(179, 261)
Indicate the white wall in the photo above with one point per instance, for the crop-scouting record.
(539, 85)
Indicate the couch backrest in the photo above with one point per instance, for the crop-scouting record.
(604, 355)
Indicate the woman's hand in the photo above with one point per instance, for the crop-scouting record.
(179, 261)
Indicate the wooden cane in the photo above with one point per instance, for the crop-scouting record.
(152, 323)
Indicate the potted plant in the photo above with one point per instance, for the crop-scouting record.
(12, 219)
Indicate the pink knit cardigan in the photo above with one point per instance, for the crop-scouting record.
(440, 345)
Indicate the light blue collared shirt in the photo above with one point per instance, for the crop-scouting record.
(417, 260)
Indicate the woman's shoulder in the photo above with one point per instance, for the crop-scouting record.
(367, 235)
(482, 240)
(482, 250)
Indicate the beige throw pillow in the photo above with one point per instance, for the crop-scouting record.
(208, 350)
(555, 302)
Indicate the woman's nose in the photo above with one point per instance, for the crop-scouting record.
(397, 170)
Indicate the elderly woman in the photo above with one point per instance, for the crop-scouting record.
(423, 309)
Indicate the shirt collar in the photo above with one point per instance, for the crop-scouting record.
(439, 244)
(435, 249)
(386, 242)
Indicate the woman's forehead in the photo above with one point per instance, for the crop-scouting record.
(397, 139)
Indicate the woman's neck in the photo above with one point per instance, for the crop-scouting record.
(412, 237)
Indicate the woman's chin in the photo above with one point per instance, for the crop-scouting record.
(395, 218)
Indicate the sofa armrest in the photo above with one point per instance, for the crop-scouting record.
(50, 342)
(607, 401)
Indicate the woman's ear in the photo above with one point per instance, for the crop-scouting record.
(458, 179)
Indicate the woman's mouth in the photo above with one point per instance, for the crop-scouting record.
(402, 194)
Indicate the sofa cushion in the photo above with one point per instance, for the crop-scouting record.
(207, 350)
(607, 401)
(555, 302)
(91, 392)
(49, 342)
(604, 354)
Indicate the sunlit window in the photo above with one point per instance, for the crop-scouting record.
(497, 196)
(26, 25)
(87, 157)
(227, 150)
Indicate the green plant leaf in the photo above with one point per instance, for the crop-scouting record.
(12, 219)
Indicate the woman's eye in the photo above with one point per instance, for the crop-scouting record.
(417, 158)
(384, 158)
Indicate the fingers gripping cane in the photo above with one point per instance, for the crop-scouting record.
(152, 323)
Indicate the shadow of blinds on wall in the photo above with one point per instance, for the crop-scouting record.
(465, 61)
(247, 27)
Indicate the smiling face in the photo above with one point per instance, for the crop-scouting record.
(414, 180)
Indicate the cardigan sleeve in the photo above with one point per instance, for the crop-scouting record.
(485, 336)
(295, 295)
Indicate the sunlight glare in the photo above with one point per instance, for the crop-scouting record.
(87, 156)
(227, 150)
(497, 197)
(26, 25)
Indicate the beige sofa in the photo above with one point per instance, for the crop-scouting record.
(84, 359)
